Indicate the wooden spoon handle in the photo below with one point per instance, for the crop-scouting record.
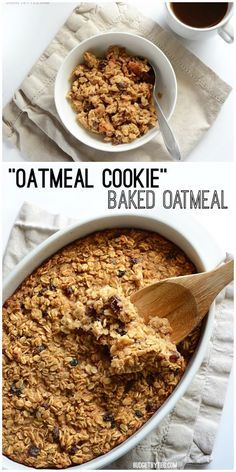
(205, 287)
(219, 277)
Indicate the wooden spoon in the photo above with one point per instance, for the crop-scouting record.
(183, 300)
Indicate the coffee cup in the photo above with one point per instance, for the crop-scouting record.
(187, 24)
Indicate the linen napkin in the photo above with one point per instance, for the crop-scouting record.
(187, 434)
(30, 120)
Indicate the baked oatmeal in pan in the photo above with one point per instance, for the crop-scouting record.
(113, 95)
(82, 372)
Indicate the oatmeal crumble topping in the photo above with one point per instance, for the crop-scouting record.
(112, 95)
(82, 372)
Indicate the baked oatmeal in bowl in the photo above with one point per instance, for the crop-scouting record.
(104, 91)
(112, 95)
(82, 372)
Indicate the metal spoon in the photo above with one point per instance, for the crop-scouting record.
(184, 300)
(166, 131)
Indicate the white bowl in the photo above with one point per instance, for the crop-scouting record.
(136, 45)
(184, 232)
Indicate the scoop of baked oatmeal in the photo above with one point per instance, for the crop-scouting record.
(133, 345)
(112, 95)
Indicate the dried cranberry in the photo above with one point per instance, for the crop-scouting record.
(33, 451)
(115, 304)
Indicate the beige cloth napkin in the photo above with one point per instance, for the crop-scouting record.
(186, 435)
(30, 120)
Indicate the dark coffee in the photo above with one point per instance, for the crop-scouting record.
(201, 14)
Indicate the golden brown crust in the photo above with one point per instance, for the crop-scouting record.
(61, 404)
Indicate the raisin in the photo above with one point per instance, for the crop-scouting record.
(138, 413)
(33, 451)
(129, 385)
(171, 254)
(149, 76)
(55, 433)
(69, 291)
(106, 350)
(74, 362)
(44, 313)
(52, 287)
(102, 64)
(120, 330)
(88, 106)
(150, 379)
(115, 304)
(117, 234)
(90, 311)
(73, 450)
(152, 407)
(174, 357)
(121, 86)
(108, 417)
(15, 390)
(113, 424)
(121, 273)
(33, 412)
(45, 406)
(134, 260)
(41, 348)
(42, 291)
